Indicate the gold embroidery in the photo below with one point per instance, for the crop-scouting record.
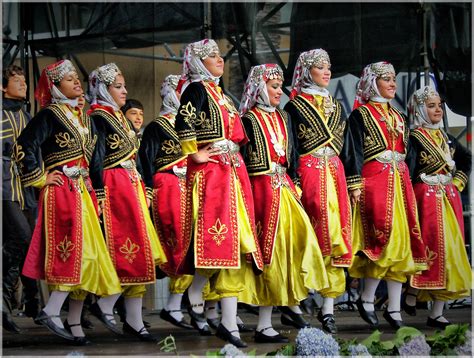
(65, 247)
(218, 230)
(18, 153)
(189, 114)
(129, 249)
(378, 234)
(304, 132)
(202, 121)
(426, 158)
(170, 147)
(314, 222)
(64, 140)
(253, 155)
(114, 141)
(259, 229)
(431, 256)
(416, 231)
(368, 142)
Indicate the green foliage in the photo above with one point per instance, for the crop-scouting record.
(404, 334)
(443, 343)
(376, 347)
(344, 345)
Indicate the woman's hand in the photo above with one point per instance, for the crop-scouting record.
(54, 178)
(204, 155)
(355, 196)
(148, 202)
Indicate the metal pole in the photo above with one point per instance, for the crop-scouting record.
(426, 62)
(470, 207)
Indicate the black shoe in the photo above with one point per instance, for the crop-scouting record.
(78, 341)
(213, 322)
(369, 316)
(328, 322)
(410, 310)
(32, 308)
(47, 321)
(164, 314)
(308, 305)
(227, 336)
(145, 337)
(243, 328)
(290, 318)
(260, 337)
(86, 323)
(101, 316)
(8, 323)
(395, 323)
(433, 322)
(147, 324)
(199, 317)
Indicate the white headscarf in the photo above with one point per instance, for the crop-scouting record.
(417, 112)
(255, 90)
(367, 86)
(302, 79)
(99, 81)
(170, 101)
(193, 68)
(58, 97)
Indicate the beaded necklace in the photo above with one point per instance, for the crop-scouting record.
(276, 134)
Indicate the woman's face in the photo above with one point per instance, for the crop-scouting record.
(387, 86)
(274, 90)
(118, 90)
(321, 74)
(214, 63)
(434, 109)
(70, 85)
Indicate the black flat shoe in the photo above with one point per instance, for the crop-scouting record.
(101, 316)
(260, 337)
(227, 336)
(328, 322)
(8, 323)
(47, 321)
(290, 318)
(147, 324)
(213, 322)
(433, 322)
(308, 305)
(243, 328)
(395, 323)
(145, 337)
(86, 323)
(410, 310)
(369, 316)
(166, 315)
(78, 341)
(199, 317)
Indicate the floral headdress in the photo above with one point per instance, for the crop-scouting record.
(367, 85)
(170, 102)
(99, 81)
(46, 91)
(302, 79)
(417, 109)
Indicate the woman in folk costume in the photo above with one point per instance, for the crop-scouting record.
(219, 216)
(318, 125)
(291, 254)
(131, 238)
(440, 166)
(67, 249)
(386, 234)
(164, 173)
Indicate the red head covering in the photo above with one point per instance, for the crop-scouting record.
(51, 74)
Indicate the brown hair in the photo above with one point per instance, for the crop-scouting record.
(9, 72)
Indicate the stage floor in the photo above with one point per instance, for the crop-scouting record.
(36, 340)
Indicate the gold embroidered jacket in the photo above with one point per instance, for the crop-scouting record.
(51, 135)
(426, 157)
(160, 149)
(311, 131)
(116, 143)
(364, 140)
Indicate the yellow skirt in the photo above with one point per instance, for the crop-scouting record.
(229, 282)
(157, 251)
(458, 270)
(98, 274)
(297, 264)
(396, 261)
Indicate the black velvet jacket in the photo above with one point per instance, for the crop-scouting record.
(51, 135)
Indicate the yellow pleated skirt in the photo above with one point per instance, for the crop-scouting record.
(98, 274)
(230, 282)
(396, 261)
(336, 275)
(297, 263)
(458, 270)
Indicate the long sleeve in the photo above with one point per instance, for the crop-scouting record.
(148, 151)
(192, 103)
(463, 159)
(352, 153)
(96, 169)
(26, 152)
(292, 151)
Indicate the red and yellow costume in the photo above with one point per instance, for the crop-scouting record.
(440, 169)
(292, 257)
(387, 242)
